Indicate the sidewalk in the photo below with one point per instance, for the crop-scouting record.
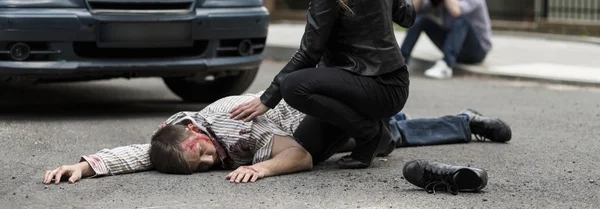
(530, 57)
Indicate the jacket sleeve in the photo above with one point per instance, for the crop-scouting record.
(321, 17)
(403, 13)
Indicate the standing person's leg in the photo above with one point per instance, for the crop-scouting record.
(434, 31)
(353, 103)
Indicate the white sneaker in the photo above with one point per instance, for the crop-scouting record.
(440, 70)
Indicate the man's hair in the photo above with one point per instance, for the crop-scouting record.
(166, 153)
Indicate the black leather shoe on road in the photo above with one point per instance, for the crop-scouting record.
(434, 176)
(484, 127)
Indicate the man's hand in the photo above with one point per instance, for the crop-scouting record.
(249, 110)
(73, 172)
(244, 174)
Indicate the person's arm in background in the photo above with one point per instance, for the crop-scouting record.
(404, 13)
(120, 160)
(457, 8)
(287, 157)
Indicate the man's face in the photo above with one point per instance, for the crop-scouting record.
(199, 151)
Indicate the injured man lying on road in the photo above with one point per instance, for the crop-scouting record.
(189, 142)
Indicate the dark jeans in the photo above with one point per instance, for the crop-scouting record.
(426, 132)
(459, 43)
(340, 104)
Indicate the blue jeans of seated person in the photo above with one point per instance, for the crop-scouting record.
(459, 42)
(448, 129)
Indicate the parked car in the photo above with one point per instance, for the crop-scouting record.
(203, 49)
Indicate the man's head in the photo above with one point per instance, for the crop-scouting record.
(179, 149)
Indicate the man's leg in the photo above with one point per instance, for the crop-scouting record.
(425, 131)
(431, 131)
(461, 44)
(422, 23)
(445, 130)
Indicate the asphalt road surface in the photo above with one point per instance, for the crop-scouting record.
(551, 162)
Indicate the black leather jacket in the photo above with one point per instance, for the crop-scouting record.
(362, 41)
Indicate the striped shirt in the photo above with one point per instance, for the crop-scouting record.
(238, 142)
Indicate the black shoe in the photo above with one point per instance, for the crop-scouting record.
(484, 127)
(391, 147)
(363, 154)
(388, 151)
(432, 175)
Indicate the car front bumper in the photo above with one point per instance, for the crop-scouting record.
(68, 41)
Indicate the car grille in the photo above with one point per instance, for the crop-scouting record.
(123, 6)
(91, 50)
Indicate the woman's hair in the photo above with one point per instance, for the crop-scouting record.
(345, 7)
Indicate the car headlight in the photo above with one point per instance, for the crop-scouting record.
(42, 4)
(229, 3)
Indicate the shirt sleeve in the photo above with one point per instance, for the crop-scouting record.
(468, 6)
(120, 160)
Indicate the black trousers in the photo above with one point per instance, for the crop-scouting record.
(340, 105)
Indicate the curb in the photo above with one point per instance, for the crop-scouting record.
(283, 54)
(552, 37)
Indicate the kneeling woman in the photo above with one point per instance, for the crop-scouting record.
(348, 76)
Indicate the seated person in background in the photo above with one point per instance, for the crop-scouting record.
(464, 35)
(189, 142)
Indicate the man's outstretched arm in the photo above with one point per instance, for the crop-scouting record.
(287, 157)
(120, 160)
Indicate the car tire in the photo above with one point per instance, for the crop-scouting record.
(191, 91)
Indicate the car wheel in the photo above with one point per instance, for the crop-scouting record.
(193, 91)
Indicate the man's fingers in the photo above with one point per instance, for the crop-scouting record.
(234, 176)
(254, 178)
(61, 172)
(229, 175)
(75, 177)
(247, 177)
(47, 177)
(50, 175)
(240, 177)
(58, 176)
